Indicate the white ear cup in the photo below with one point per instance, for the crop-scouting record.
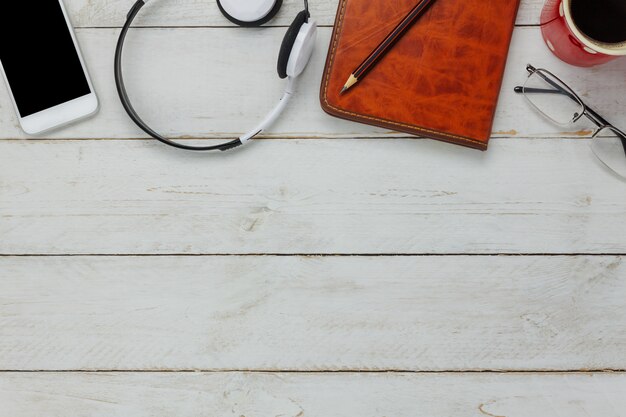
(248, 10)
(302, 49)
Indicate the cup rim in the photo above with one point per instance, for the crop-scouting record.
(567, 11)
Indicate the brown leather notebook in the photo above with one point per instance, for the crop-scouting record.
(441, 80)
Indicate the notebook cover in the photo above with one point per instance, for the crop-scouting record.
(441, 80)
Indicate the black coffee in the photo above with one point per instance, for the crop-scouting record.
(601, 20)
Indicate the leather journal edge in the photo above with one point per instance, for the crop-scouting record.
(384, 123)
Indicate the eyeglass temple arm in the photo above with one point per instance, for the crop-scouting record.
(559, 90)
(520, 89)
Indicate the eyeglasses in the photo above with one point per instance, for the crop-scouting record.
(560, 104)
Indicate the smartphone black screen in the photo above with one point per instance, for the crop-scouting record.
(38, 55)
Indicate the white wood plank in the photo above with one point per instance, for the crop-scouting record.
(306, 196)
(313, 395)
(177, 77)
(312, 313)
(111, 13)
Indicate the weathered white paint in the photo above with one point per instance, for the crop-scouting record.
(288, 196)
(112, 13)
(308, 196)
(183, 83)
(312, 395)
(312, 313)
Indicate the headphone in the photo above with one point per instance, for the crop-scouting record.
(295, 53)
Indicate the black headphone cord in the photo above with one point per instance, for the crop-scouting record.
(121, 90)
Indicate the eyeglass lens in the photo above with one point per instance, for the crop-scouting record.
(551, 97)
(609, 147)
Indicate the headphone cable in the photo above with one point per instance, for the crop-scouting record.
(121, 90)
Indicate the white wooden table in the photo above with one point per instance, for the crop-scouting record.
(332, 269)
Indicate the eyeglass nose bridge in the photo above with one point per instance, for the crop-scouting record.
(596, 119)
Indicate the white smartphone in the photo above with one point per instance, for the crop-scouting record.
(43, 67)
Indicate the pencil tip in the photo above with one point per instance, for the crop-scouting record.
(343, 90)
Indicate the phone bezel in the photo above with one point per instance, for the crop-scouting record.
(64, 113)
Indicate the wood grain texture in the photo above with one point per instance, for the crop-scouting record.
(111, 13)
(313, 395)
(310, 197)
(312, 313)
(303, 313)
(178, 80)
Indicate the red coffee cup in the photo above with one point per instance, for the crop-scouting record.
(585, 32)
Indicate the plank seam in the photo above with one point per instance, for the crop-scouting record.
(305, 255)
(342, 371)
(520, 25)
(48, 140)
